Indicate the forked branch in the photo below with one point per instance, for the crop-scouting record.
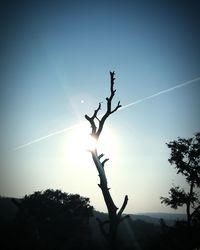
(96, 130)
(123, 206)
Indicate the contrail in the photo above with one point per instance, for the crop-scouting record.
(47, 136)
(124, 107)
(160, 93)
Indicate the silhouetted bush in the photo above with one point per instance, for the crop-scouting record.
(50, 220)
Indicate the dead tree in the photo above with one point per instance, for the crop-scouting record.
(97, 125)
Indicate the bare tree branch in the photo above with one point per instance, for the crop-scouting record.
(123, 206)
(96, 130)
(109, 105)
(103, 162)
(91, 119)
(100, 156)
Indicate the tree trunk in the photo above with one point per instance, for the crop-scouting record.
(114, 217)
(189, 204)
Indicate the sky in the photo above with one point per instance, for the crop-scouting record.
(55, 63)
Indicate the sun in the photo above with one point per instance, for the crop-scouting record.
(82, 139)
(80, 143)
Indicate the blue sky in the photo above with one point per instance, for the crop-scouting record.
(55, 63)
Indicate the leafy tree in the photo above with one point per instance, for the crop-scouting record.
(185, 155)
(51, 218)
(97, 124)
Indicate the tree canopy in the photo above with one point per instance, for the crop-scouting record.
(185, 156)
(51, 218)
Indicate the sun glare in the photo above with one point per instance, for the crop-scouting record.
(80, 143)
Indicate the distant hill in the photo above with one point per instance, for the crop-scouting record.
(149, 217)
(166, 216)
(169, 218)
(8, 211)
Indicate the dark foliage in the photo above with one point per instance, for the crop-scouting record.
(134, 233)
(180, 237)
(49, 220)
(185, 155)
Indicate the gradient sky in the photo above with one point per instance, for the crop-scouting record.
(55, 63)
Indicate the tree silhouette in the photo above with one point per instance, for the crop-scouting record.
(51, 219)
(185, 155)
(97, 125)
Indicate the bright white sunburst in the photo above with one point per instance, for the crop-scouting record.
(80, 142)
